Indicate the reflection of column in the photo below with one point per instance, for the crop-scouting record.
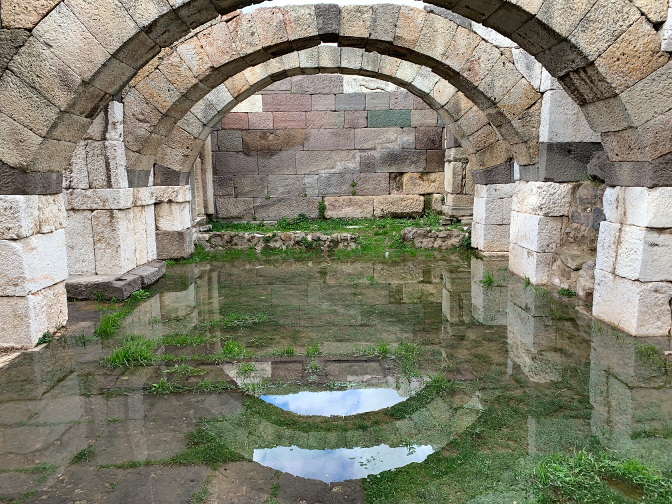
(456, 299)
(532, 335)
(630, 398)
(488, 302)
(633, 278)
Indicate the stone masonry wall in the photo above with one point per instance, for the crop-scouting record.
(367, 147)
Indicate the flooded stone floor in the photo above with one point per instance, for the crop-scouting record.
(323, 381)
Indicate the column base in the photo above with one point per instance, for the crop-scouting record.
(114, 286)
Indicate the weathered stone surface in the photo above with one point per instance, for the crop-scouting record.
(229, 140)
(400, 161)
(377, 101)
(79, 243)
(356, 118)
(646, 312)
(492, 238)
(27, 318)
(276, 208)
(106, 286)
(325, 161)
(335, 184)
(371, 184)
(494, 191)
(51, 210)
(634, 253)
(174, 244)
(428, 138)
(289, 120)
(353, 207)
(350, 101)
(562, 120)
(234, 208)
(324, 119)
(527, 263)
(235, 162)
(273, 141)
(235, 121)
(276, 163)
(260, 120)
(172, 216)
(563, 162)
(499, 174)
(542, 198)
(428, 239)
(492, 210)
(287, 103)
(271, 241)
(150, 272)
(323, 101)
(20, 182)
(398, 206)
(422, 183)
(380, 138)
(535, 232)
(324, 140)
(639, 206)
(389, 118)
(19, 217)
(32, 263)
(317, 84)
(94, 199)
(113, 241)
(292, 186)
(171, 194)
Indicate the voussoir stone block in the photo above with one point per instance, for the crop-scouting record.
(27, 318)
(32, 263)
(398, 206)
(639, 206)
(349, 207)
(646, 312)
(635, 253)
(542, 198)
(536, 232)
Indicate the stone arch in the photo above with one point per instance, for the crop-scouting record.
(468, 123)
(231, 52)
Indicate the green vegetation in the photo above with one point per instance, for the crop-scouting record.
(183, 340)
(109, 324)
(83, 455)
(135, 351)
(246, 369)
(650, 353)
(408, 357)
(45, 338)
(587, 478)
(113, 420)
(488, 279)
(566, 292)
(313, 350)
(528, 282)
(437, 386)
(201, 495)
(205, 386)
(285, 352)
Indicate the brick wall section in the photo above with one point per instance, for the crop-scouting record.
(305, 138)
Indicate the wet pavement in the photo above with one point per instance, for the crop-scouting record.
(328, 352)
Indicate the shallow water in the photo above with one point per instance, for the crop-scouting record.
(535, 376)
(336, 403)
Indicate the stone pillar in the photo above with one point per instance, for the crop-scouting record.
(174, 238)
(34, 268)
(206, 177)
(538, 218)
(492, 217)
(458, 184)
(633, 274)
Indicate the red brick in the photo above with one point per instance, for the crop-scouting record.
(261, 120)
(428, 138)
(286, 103)
(356, 119)
(419, 104)
(324, 119)
(235, 120)
(289, 120)
(435, 160)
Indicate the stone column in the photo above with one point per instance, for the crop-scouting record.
(633, 274)
(206, 177)
(34, 268)
(492, 217)
(174, 238)
(458, 183)
(538, 218)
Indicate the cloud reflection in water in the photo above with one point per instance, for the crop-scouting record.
(340, 464)
(341, 403)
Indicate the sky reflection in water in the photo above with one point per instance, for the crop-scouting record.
(340, 464)
(341, 403)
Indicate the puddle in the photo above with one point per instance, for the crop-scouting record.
(340, 464)
(336, 403)
(525, 375)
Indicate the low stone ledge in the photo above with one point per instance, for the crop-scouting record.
(110, 287)
(271, 241)
(427, 239)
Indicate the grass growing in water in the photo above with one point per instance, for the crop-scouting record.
(135, 351)
(83, 455)
(408, 357)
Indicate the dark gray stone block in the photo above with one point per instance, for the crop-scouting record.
(328, 21)
(106, 286)
(565, 162)
(20, 182)
(657, 173)
(351, 101)
(164, 176)
(500, 174)
(138, 178)
(174, 244)
(149, 273)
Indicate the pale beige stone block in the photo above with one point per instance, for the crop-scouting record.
(114, 242)
(422, 183)
(490, 237)
(140, 235)
(51, 209)
(171, 194)
(19, 216)
(536, 232)
(150, 232)
(527, 263)
(94, 199)
(349, 207)
(398, 206)
(542, 198)
(172, 216)
(639, 206)
(79, 243)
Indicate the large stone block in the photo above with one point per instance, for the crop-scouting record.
(327, 161)
(27, 318)
(51, 210)
(335, 184)
(79, 243)
(324, 119)
(261, 121)
(113, 241)
(372, 184)
(287, 103)
(389, 119)
(634, 252)
(638, 308)
(280, 140)
(330, 139)
(140, 234)
(292, 186)
(378, 101)
(289, 120)
(492, 238)
(563, 121)
(150, 232)
(236, 162)
(382, 138)
(422, 183)
(562, 162)
(107, 287)
(174, 244)
(542, 198)
(19, 217)
(350, 101)
(229, 140)
(494, 191)
(400, 161)
(276, 208)
(527, 263)
(639, 206)
(94, 199)
(276, 163)
(250, 186)
(317, 83)
(398, 206)
(428, 138)
(234, 208)
(172, 216)
(106, 164)
(171, 194)
(536, 232)
(349, 207)
(492, 210)
(32, 263)
(356, 118)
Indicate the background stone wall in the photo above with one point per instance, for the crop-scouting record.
(367, 147)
